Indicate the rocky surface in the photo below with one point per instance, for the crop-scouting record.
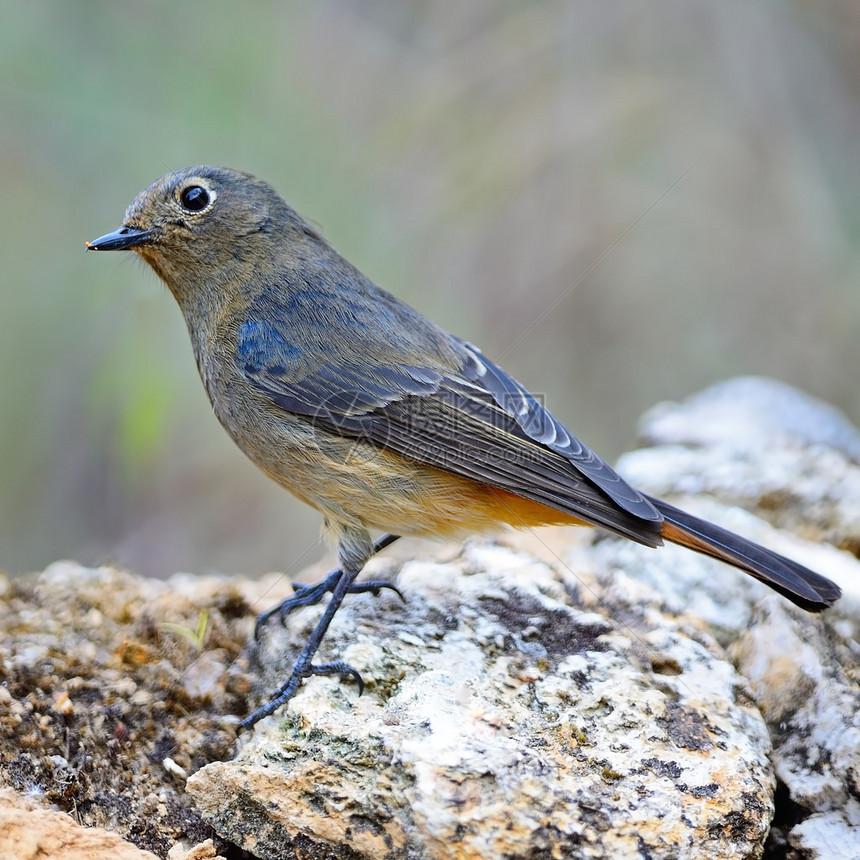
(558, 693)
(501, 719)
(764, 446)
(29, 832)
(105, 707)
(806, 679)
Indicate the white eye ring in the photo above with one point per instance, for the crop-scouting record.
(195, 197)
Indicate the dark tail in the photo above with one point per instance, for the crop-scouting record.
(799, 584)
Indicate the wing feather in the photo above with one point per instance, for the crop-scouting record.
(476, 422)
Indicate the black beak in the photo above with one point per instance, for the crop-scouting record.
(121, 240)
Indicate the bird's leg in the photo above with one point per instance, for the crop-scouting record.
(303, 668)
(309, 595)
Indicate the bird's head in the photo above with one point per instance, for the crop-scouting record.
(203, 226)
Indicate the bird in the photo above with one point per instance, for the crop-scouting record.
(366, 410)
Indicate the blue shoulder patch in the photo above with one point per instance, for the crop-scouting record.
(261, 348)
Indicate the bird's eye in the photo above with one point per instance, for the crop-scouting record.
(194, 198)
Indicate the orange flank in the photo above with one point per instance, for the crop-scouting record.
(456, 507)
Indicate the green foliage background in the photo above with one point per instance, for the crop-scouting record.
(510, 168)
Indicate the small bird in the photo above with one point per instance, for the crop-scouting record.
(378, 418)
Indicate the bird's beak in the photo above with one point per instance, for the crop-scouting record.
(121, 240)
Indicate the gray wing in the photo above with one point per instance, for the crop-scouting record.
(476, 422)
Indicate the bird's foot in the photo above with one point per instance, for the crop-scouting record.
(300, 671)
(310, 595)
(340, 583)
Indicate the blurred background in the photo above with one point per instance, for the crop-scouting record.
(620, 201)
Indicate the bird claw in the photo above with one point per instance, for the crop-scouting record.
(289, 689)
(339, 583)
(309, 595)
(338, 667)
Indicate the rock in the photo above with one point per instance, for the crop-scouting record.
(501, 720)
(752, 413)
(805, 680)
(28, 832)
(202, 851)
(763, 445)
(103, 705)
(794, 460)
